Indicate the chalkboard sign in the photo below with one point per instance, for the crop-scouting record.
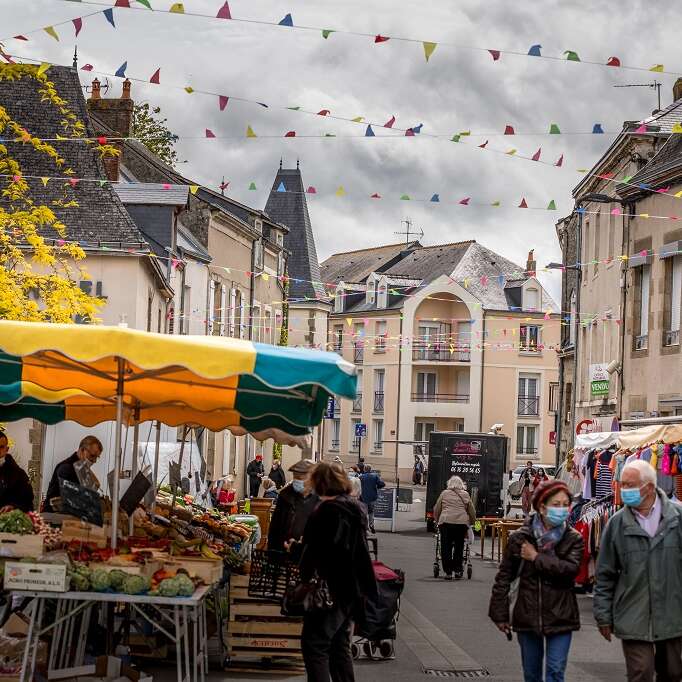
(383, 507)
(405, 496)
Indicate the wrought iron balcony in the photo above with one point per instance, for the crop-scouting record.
(358, 353)
(440, 398)
(671, 338)
(521, 450)
(334, 445)
(529, 405)
(378, 401)
(357, 403)
(378, 446)
(442, 353)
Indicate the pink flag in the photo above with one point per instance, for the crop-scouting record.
(224, 12)
(87, 67)
(495, 54)
(122, 3)
(209, 133)
(222, 101)
(465, 201)
(409, 132)
(20, 38)
(77, 24)
(390, 122)
(642, 129)
(156, 78)
(523, 204)
(311, 190)
(323, 112)
(560, 161)
(616, 211)
(536, 156)
(484, 145)
(381, 39)
(508, 130)
(613, 61)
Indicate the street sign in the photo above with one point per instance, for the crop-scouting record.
(360, 430)
(331, 406)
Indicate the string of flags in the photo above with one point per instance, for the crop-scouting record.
(428, 46)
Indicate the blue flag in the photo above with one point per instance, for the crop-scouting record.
(369, 132)
(281, 187)
(597, 130)
(109, 14)
(535, 51)
(287, 21)
(435, 197)
(121, 71)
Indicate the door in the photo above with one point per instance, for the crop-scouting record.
(426, 386)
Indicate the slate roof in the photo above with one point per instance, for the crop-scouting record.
(151, 194)
(430, 262)
(100, 216)
(357, 266)
(656, 173)
(291, 209)
(663, 121)
(187, 243)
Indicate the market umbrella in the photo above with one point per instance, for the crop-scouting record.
(202, 380)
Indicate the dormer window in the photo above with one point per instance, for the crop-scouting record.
(258, 224)
(338, 299)
(382, 295)
(371, 291)
(280, 239)
(531, 299)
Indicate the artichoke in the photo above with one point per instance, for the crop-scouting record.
(100, 580)
(116, 578)
(135, 584)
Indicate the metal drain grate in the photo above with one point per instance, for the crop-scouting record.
(462, 674)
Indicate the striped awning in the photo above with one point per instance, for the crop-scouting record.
(74, 372)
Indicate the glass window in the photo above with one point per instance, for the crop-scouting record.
(529, 335)
(378, 430)
(527, 439)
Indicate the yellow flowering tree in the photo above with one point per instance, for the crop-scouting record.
(39, 276)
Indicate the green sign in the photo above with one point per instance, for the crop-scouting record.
(600, 387)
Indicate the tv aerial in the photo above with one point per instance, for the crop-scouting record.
(656, 84)
(408, 232)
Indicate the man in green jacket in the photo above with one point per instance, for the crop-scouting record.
(638, 592)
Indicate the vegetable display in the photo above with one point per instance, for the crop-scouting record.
(16, 521)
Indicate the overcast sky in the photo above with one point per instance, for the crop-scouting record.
(458, 89)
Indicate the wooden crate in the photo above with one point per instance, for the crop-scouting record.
(17, 546)
(259, 638)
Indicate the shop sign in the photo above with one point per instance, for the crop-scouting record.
(599, 379)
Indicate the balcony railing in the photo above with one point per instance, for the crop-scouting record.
(442, 353)
(335, 445)
(357, 403)
(526, 451)
(642, 342)
(378, 446)
(671, 338)
(440, 398)
(529, 405)
(380, 344)
(378, 401)
(355, 444)
(337, 408)
(358, 353)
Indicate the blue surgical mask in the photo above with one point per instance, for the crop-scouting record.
(632, 497)
(298, 486)
(555, 516)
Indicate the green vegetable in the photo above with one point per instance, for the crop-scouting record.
(185, 585)
(168, 587)
(135, 584)
(16, 521)
(100, 580)
(116, 578)
(79, 583)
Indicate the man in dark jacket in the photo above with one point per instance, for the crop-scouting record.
(89, 450)
(15, 488)
(294, 507)
(371, 483)
(277, 474)
(255, 471)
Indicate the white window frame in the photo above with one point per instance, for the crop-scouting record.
(380, 334)
(223, 308)
(676, 294)
(335, 434)
(528, 348)
(645, 290)
(377, 435)
(574, 315)
(382, 294)
(370, 294)
(258, 254)
(211, 305)
(233, 310)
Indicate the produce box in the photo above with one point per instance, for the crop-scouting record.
(35, 577)
(17, 546)
(209, 570)
(146, 569)
(75, 529)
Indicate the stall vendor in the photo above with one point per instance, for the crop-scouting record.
(15, 488)
(89, 450)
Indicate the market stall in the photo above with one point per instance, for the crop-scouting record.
(177, 551)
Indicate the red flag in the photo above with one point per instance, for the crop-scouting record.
(375, 196)
(311, 190)
(409, 132)
(87, 67)
(73, 182)
(78, 25)
(291, 133)
(222, 102)
(495, 54)
(209, 133)
(536, 156)
(390, 122)
(613, 61)
(323, 112)
(560, 162)
(122, 3)
(223, 185)
(381, 39)
(523, 204)
(484, 145)
(101, 140)
(508, 130)
(156, 77)
(20, 38)
(224, 12)
(465, 201)
(606, 176)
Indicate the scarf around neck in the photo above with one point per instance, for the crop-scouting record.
(546, 539)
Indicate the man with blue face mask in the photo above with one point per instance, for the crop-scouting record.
(638, 592)
(295, 504)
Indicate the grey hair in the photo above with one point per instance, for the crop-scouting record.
(356, 486)
(456, 483)
(647, 473)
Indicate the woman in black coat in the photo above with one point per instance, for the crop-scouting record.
(335, 549)
(276, 474)
(544, 555)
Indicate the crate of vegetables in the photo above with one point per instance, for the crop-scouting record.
(17, 536)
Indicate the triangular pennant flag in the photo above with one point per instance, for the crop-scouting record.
(428, 49)
(380, 39)
(523, 204)
(554, 129)
(329, 135)
(616, 211)
(536, 156)
(222, 102)
(20, 38)
(249, 132)
(43, 68)
(326, 32)
(122, 3)
(45, 181)
(311, 190)
(73, 182)
(224, 12)
(409, 132)
(597, 129)
(455, 138)
(551, 206)
(291, 133)
(658, 68)
(340, 192)
(102, 183)
(177, 8)
(535, 51)
(495, 54)
(51, 32)
(642, 129)
(390, 122)
(375, 196)
(209, 133)
(508, 130)
(613, 61)
(252, 185)
(435, 198)
(404, 197)
(87, 67)
(156, 78)
(121, 71)
(464, 132)
(294, 108)
(511, 152)
(369, 132)
(484, 145)
(323, 112)
(146, 3)
(194, 189)
(572, 56)
(677, 128)
(109, 16)
(189, 89)
(465, 201)
(281, 187)
(560, 161)
(77, 24)
(287, 21)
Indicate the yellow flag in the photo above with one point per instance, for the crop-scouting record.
(189, 89)
(177, 8)
(43, 68)
(678, 195)
(643, 215)
(266, 277)
(341, 192)
(45, 181)
(51, 32)
(511, 152)
(349, 321)
(658, 68)
(677, 128)
(358, 119)
(249, 132)
(194, 189)
(428, 49)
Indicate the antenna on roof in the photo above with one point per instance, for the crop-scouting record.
(297, 163)
(408, 231)
(75, 56)
(655, 84)
(223, 186)
(280, 163)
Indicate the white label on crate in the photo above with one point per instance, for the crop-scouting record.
(40, 577)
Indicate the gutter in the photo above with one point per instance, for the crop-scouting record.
(480, 409)
(623, 307)
(397, 421)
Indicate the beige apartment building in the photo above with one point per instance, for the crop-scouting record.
(451, 337)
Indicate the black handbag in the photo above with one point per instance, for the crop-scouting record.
(306, 597)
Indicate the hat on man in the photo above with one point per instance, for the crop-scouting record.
(303, 466)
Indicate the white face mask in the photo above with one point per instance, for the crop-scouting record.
(298, 486)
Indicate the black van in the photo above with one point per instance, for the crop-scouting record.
(479, 459)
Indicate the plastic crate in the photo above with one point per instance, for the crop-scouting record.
(271, 572)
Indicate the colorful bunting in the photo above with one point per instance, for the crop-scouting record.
(323, 112)
(495, 54)
(209, 133)
(380, 39)
(551, 206)
(194, 189)
(341, 192)
(252, 186)
(484, 145)
(508, 130)
(43, 68)
(523, 204)
(287, 21)
(311, 190)
(51, 32)
(281, 187)
(87, 67)
(326, 32)
(677, 128)
(417, 129)
(554, 129)
(145, 3)
(222, 102)
(616, 211)
(642, 129)
(613, 61)
(291, 133)
(428, 49)
(572, 56)
(358, 119)
(73, 181)
(454, 138)
(156, 77)
(536, 156)
(657, 68)
(390, 122)
(189, 89)
(109, 16)
(560, 161)
(121, 71)
(409, 132)
(435, 198)
(177, 8)
(404, 197)
(20, 38)
(249, 132)
(122, 3)
(511, 152)
(465, 201)
(224, 12)
(597, 129)
(77, 24)
(535, 51)
(369, 132)
(375, 196)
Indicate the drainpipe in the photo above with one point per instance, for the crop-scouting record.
(397, 419)
(252, 286)
(558, 415)
(629, 208)
(480, 400)
(576, 342)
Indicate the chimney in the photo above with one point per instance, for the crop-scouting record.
(115, 114)
(677, 90)
(531, 265)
